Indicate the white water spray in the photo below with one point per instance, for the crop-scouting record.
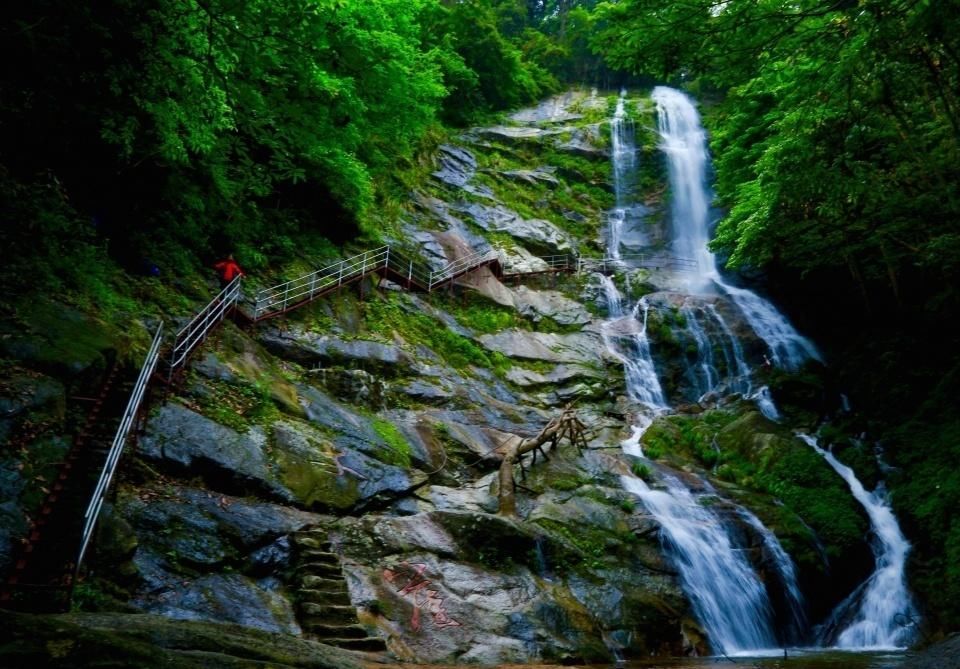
(786, 571)
(726, 595)
(683, 140)
(884, 619)
(626, 339)
(624, 171)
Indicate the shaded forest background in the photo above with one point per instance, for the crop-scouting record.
(160, 133)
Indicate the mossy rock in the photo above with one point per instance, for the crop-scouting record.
(58, 339)
(116, 640)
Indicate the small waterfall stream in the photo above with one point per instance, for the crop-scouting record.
(879, 614)
(626, 338)
(624, 156)
(726, 595)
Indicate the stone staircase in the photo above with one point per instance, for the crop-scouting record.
(324, 609)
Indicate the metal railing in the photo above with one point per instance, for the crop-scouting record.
(196, 330)
(637, 260)
(116, 448)
(408, 270)
(304, 288)
(462, 265)
(283, 296)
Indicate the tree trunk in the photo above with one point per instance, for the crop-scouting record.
(565, 425)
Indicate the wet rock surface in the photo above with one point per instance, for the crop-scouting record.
(114, 640)
(537, 235)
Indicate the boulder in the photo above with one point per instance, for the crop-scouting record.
(58, 339)
(583, 143)
(560, 374)
(537, 235)
(580, 348)
(555, 109)
(122, 640)
(503, 603)
(329, 473)
(311, 349)
(545, 174)
(457, 168)
(186, 442)
(537, 304)
(519, 134)
(517, 259)
(352, 385)
(230, 598)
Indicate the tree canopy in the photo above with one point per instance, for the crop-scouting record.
(836, 138)
(214, 124)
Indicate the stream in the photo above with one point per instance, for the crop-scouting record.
(796, 659)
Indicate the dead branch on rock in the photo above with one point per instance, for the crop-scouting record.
(565, 426)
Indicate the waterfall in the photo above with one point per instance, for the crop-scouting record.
(626, 339)
(703, 374)
(684, 142)
(624, 157)
(726, 595)
(786, 573)
(711, 334)
(740, 367)
(880, 613)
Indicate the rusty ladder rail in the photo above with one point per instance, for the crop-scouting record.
(116, 448)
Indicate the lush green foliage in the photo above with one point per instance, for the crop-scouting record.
(837, 142)
(169, 131)
(393, 314)
(784, 468)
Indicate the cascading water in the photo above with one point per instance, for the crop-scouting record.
(726, 595)
(626, 338)
(624, 157)
(884, 609)
(711, 335)
(683, 140)
(703, 374)
(786, 573)
(725, 592)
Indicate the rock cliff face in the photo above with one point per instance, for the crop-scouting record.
(374, 419)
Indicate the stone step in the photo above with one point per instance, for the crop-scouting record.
(371, 644)
(312, 555)
(305, 540)
(324, 630)
(339, 597)
(319, 569)
(323, 583)
(331, 614)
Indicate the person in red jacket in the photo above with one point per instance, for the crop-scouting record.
(227, 270)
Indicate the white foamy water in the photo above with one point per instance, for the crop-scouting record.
(880, 614)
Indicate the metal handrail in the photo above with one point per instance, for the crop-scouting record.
(194, 332)
(641, 259)
(119, 441)
(462, 264)
(305, 287)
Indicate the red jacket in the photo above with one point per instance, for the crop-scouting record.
(228, 269)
